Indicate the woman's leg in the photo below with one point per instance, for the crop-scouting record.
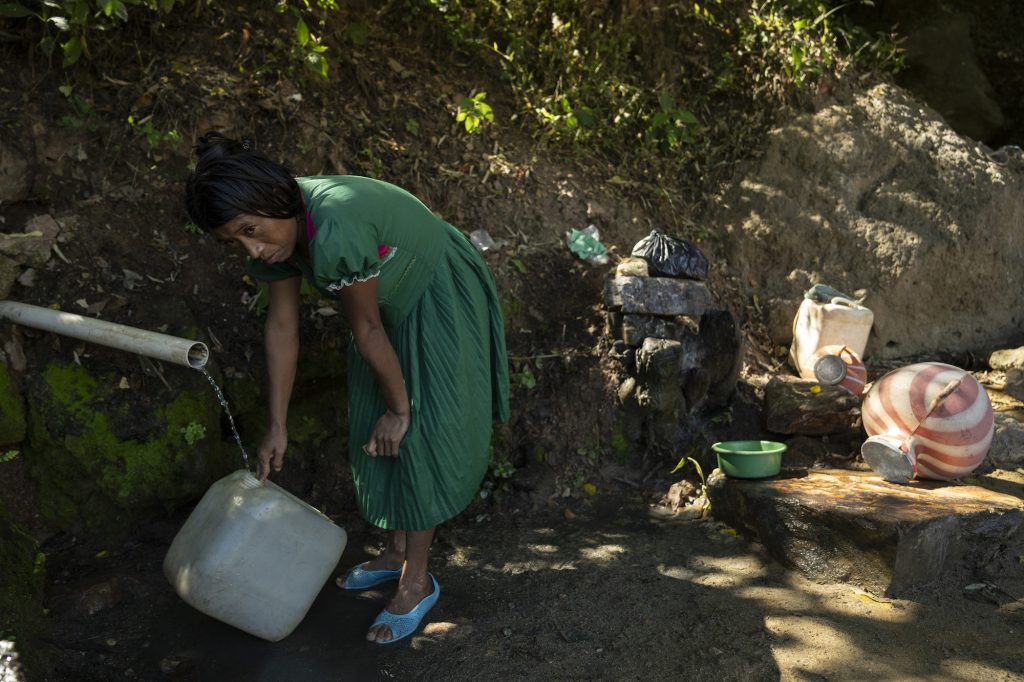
(414, 584)
(390, 559)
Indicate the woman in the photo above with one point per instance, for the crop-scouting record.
(427, 370)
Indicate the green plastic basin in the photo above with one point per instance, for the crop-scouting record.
(749, 458)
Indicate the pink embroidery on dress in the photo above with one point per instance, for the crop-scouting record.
(310, 228)
(382, 250)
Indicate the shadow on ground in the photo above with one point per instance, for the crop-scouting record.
(614, 592)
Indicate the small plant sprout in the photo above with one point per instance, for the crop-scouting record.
(474, 112)
(194, 432)
(702, 489)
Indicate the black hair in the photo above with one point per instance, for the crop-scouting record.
(231, 179)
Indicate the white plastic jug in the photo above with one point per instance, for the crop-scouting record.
(839, 322)
(253, 556)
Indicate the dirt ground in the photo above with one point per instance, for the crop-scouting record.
(619, 591)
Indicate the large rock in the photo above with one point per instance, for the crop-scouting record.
(1007, 358)
(1007, 450)
(656, 296)
(107, 459)
(636, 328)
(880, 194)
(847, 526)
(31, 247)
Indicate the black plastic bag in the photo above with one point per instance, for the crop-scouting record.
(672, 256)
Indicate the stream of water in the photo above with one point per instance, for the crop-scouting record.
(231, 419)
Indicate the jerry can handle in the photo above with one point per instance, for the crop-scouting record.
(848, 302)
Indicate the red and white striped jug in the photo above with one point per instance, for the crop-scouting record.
(838, 366)
(928, 420)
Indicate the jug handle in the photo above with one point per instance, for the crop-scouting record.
(937, 401)
(848, 302)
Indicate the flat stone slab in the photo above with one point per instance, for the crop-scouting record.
(656, 296)
(849, 526)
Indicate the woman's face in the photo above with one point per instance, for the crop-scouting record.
(271, 240)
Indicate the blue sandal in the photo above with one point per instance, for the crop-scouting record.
(360, 579)
(405, 624)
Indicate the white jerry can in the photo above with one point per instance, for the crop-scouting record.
(253, 556)
(837, 322)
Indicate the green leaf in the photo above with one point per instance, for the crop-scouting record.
(666, 101)
(688, 118)
(166, 5)
(65, 90)
(301, 32)
(72, 50)
(585, 116)
(13, 10)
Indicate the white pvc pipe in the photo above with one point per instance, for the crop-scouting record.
(122, 337)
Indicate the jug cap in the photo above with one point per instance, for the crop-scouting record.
(830, 370)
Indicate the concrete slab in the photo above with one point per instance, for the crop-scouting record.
(851, 526)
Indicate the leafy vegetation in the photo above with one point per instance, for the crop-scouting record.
(308, 47)
(68, 24)
(474, 112)
(620, 73)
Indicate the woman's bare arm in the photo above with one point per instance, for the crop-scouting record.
(281, 340)
(359, 301)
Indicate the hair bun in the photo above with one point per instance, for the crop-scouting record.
(214, 145)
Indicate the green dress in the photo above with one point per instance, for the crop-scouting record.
(440, 309)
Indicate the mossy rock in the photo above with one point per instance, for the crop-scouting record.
(317, 407)
(21, 592)
(12, 410)
(108, 459)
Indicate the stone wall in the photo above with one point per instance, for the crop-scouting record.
(678, 353)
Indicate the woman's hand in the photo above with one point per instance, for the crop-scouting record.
(271, 451)
(387, 434)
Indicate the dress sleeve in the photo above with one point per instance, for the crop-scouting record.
(345, 252)
(266, 272)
